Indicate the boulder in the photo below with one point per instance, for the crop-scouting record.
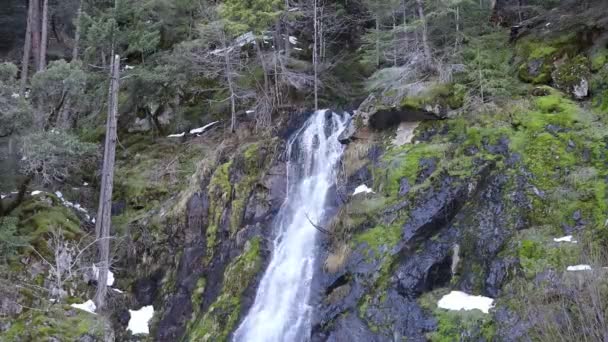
(430, 100)
(572, 76)
(348, 133)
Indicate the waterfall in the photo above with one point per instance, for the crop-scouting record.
(281, 311)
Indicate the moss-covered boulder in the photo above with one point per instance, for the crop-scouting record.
(429, 100)
(572, 76)
(536, 57)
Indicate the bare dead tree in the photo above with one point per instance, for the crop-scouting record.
(103, 223)
(36, 33)
(425, 38)
(44, 35)
(67, 260)
(315, 54)
(77, 34)
(27, 48)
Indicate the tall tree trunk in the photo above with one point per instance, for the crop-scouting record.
(27, 48)
(36, 33)
(315, 55)
(395, 38)
(377, 40)
(77, 35)
(44, 35)
(425, 37)
(228, 71)
(103, 224)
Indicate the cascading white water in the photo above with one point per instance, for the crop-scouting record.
(281, 311)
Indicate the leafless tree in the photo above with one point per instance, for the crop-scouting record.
(67, 261)
(425, 37)
(103, 223)
(77, 34)
(27, 48)
(44, 35)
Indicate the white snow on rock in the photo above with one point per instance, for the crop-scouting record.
(36, 192)
(179, 135)
(362, 189)
(249, 111)
(110, 280)
(579, 268)
(298, 49)
(202, 129)
(59, 194)
(293, 40)
(457, 300)
(138, 324)
(15, 95)
(88, 306)
(567, 238)
(129, 67)
(117, 290)
(85, 184)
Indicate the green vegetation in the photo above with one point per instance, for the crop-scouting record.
(61, 323)
(221, 317)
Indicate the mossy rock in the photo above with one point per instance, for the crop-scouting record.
(572, 76)
(599, 58)
(61, 323)
(222, 316)
(429, 100)
(536, 56)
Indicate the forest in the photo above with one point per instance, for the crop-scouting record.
(145, 151)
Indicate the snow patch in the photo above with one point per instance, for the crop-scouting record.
(109, 281)
(88, 306)
(36, 192)
(249, 111)
(567, 238)
(85, 184)
(117, 290)
(202, 129)
(129, 67)
(457, 300)
(293, 40)
(298, 49)
(363, 189)
(15, 95)
(179, 135)
(138, 324)
(579, 268)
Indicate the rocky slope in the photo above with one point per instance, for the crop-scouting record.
(466, 196)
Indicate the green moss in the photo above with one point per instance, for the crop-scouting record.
(542, 52)
(571, 73)
(222, 316)
(463, 326)
(42, 214)
(598, 59)
(56, 323)
(444, 95)
(380, 236)
(404, 162)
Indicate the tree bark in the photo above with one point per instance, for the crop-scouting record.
(103, 223)
(315, 55)
(36, 33)
(44, 35)
(425, 39)
(27, 47)
(77, 34)
(228, 71)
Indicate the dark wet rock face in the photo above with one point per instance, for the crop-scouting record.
(146, 289)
